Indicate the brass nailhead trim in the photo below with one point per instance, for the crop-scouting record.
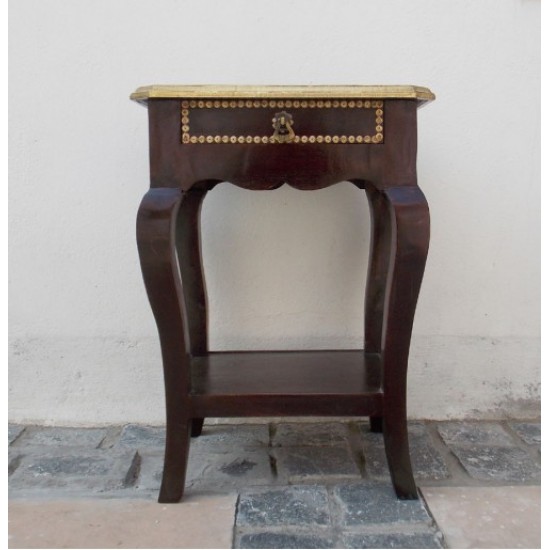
(187, 106)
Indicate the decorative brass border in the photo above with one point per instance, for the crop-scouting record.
(188, 105)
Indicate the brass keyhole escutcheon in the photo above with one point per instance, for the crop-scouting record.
(282, 123)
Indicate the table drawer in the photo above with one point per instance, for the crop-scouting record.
(282, 122)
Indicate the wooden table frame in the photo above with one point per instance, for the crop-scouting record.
(283, 135)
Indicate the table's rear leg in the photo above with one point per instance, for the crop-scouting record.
(188, 244)
(156, 223)
(379, 263)
(410, 240)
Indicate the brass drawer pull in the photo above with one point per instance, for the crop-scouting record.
(282, 123)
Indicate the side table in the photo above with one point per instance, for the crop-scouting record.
(259, 138)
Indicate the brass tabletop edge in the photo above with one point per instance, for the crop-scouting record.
(418, 93)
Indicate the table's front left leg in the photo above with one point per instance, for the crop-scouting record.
(410, 240)
(156, 223)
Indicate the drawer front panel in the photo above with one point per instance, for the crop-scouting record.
(282, 121)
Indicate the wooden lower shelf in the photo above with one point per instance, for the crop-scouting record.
(286, 383)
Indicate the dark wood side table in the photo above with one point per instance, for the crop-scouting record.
(309, 137)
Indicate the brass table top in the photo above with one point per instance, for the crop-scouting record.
(418, 93)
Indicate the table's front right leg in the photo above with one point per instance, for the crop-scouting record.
(156, 222)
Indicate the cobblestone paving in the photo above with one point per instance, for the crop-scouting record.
(299, 485)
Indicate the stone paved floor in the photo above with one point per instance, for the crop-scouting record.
(297, 485)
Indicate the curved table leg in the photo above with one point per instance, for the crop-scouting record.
(156, 223)
(379, 264)
(188, 244)
(411, 235)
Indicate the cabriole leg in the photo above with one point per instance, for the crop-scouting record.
(188, 244)
(156, 223)
(410, 240)
(379, 264)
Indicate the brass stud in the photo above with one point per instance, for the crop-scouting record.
(192, 104)
(359, 139)
(343, 139)
(248, 103)
(320, 104)
(296, 139)
(379, 129)
(233, 139)
(185, 104)
(257, 139)
(312, 103)
(225, 139)
(208, 105)
(209, 139)
(240, 139)
(217, 104)
(379, 136)
(367, 104)
(280, 104)
(225, 104)
(185, 128)
(272, 104)
(256, 104)
(217, 139)
(248, 139)
(265, 139)
(232, 104)
(312, 139)
(240, 104)
(351, 139)
(264, 103)
(379, 120)
(304, 104)
(367, 139)
(320, 139)
(343, 104)
(359, 104)
(288, 104)
(200, 104)
(328, 139)
(185, 112)
(304, 139)
(201, 139)
(185, 138)
(296, 104)
(379, 112)
(193, 139)
(336, 103)
(351, 104)
(335, 139)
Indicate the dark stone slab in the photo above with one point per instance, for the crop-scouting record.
(390, 540)
(283, 540)
(14, 431)
(224, 438)
(134, 436)
(150, 471)
(14, 459)
(236, 470)
(74, 472)
(527, 431)
(474, 433)
(497, 463)
(89, 438)
(427, 462)
(365, 504)
(298, 505)
(302, 435)
(306, 463)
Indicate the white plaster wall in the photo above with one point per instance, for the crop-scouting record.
(285, 269)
